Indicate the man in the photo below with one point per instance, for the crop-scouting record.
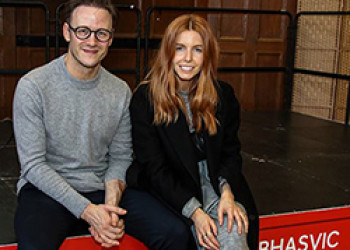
(72, 127)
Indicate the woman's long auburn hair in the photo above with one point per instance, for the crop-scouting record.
(164, 86)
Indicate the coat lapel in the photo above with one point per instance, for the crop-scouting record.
(179, 137)
(213, 145)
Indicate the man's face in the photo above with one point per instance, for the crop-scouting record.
(84, 54)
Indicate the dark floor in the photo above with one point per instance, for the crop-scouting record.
(292, 162)
(9, 171)
(295, 162)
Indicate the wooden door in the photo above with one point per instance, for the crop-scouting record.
(7, 61)
(253, 41)
(15, 23)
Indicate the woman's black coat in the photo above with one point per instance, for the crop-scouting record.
(165, 160)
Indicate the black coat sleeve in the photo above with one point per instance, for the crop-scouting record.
(230, 157)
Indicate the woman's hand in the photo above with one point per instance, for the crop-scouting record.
(206, 229)
(234, 212)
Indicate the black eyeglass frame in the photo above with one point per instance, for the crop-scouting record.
(75, 31)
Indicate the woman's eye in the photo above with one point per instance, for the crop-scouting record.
(179, 48)
(198, 50)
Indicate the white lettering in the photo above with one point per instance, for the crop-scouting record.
(313, 243)
(291, 244)
(301, 242)
(320, 241)
(264, 245)
(329, 239)
(324, 241)
(278, 246)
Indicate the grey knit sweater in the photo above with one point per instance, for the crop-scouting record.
(72, 136)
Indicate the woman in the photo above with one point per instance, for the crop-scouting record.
(186, 147)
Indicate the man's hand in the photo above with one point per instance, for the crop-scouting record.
(114, 192)
(106, 227)
(100, 219)
(98, 238)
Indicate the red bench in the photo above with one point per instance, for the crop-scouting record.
(87, 243)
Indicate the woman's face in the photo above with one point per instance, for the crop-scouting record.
(188, 58)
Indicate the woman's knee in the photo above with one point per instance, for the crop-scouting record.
(232, 240)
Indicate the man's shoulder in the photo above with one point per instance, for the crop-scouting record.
(113, 81)
(42, 73)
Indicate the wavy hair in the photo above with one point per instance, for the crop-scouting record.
(164, 86)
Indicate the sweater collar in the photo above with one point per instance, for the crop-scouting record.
(78, 83)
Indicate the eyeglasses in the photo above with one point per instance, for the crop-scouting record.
(83, 33)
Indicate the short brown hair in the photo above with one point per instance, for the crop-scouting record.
(71, 5)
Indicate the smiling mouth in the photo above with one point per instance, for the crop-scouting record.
(186, 68)
(90, 51)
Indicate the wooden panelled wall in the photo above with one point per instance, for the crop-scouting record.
(245, 40)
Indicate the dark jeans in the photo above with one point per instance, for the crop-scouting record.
(43, 223)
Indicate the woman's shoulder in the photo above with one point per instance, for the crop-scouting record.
(225, 89)
(141, 95)
(141, 91)
(141, 88)
(223, 84)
